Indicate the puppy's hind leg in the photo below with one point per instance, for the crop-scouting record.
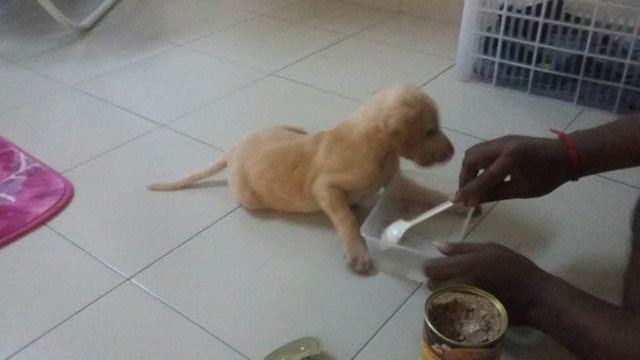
(204, 173)
(334, 203)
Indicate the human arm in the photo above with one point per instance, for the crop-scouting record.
(537, 166)
(587, 326)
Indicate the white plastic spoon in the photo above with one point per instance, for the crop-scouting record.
(393, 233)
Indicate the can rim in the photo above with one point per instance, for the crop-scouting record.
(470, 290)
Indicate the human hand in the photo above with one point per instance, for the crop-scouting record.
(533, 167)
(514, 279)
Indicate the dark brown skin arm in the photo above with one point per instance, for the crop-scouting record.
(537, 166)
(609, 147)
(587, 326)
(592, 328)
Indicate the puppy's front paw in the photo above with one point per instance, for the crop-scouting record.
(357, 257)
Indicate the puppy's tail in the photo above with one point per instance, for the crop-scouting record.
(204, 173)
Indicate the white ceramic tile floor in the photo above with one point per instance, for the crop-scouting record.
(113, 216)
(171, 85)
(103, 50)
(43, 127)
(358, 68)
(266, 43)
(119, 318)
(260, 6)
(488, 112)
(274, 101)
(44, 279)
(208, 279)
(301, 287)
(178, 22)
(20, 86)
(412, 32)
(333, 15)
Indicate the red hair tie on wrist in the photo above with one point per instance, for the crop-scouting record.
(573, 153)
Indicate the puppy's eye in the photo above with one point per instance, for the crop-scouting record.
(431, 132)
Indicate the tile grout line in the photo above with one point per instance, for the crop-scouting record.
(184, 242)
(386, 322)
(189, 319)
(263, 11)
(329, 92)
(83, 36)
(126, 280)
(317, 27)
(347, 37)
(274, 73)
(227, 59)
(127, 142)
(66, 319)
(158, 124)
(85, 92)
(200, 37)
(397, 14)
(116, 27)
(172, 47)
(194, 139)
(482, 218)
(438, 75)
(131, 279)
(50, 227)
(264, 76)
(184, 46)
(441, 57)
(463, 133)
(620, 182)
(575, 118)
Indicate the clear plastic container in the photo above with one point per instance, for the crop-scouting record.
(407, 258)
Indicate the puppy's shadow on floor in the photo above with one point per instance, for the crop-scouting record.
(317, 219)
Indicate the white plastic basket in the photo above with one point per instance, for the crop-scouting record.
(406, 259)
(582, 51)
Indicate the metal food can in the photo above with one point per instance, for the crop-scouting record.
(463, 322)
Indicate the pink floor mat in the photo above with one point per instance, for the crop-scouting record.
(30, 192)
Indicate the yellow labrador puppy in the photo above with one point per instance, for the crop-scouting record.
(284, 168)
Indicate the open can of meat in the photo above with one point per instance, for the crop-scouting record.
(463, 322)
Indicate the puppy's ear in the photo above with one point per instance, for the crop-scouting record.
(400, 122)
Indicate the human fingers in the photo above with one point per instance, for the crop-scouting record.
(449, 267)
(505, 190)
(449, 249)
(475, 159)
(490, 177)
